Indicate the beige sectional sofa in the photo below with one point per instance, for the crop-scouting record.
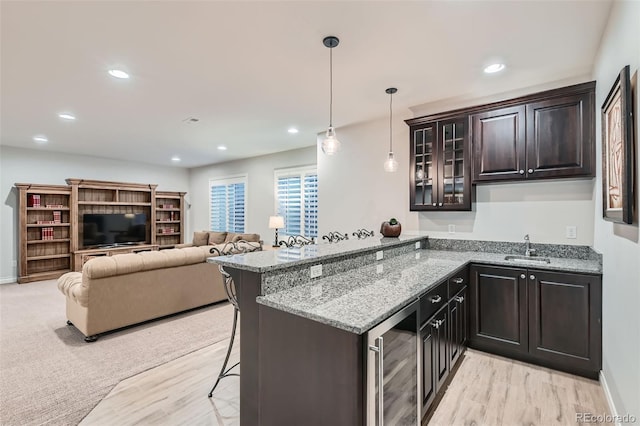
(116, 291)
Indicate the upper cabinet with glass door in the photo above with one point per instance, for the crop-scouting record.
(440, 166)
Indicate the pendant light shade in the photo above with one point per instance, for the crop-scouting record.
(330, 144)
(391, 165)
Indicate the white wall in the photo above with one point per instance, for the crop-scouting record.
(508, 211)
(35, 166)
(354, 191)
(618, 243)
(260, 192)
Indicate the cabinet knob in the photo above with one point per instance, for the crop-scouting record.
(434, 204)
(435, 299)
(523, 276)
(521, 172)
(530, 171)
(532, 277)
(440, 204)
(459, 299)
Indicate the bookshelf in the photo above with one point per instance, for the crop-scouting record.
(44, 231)
(169, 223)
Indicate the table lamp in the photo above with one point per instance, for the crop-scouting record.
(276, 222)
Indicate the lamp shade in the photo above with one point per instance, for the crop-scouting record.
(276, 222)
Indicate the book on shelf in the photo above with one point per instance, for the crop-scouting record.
(45, 222)
(168, 206)
(33, 200)
(57, 217)
(54, 206)
(47, 233)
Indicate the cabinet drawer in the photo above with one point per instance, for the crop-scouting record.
(457, 282)
(433, 300)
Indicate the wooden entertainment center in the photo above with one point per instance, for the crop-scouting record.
(51, 222)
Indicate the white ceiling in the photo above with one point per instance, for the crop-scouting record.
(250, 70)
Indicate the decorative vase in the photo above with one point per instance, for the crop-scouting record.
(389, 230)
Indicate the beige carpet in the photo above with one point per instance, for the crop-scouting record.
(49, 375)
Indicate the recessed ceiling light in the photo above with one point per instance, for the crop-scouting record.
(66, 116)
(118, 74)
(292, 130)
(222, 147)
(175, 158)
(494, 68)
(40, 139)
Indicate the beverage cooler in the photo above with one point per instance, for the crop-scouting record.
(393, 370)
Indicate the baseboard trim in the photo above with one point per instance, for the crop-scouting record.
(8, 280)
(607, 394)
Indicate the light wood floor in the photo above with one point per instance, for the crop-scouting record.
(487, 390)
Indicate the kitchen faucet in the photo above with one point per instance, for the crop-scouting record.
(528, 250)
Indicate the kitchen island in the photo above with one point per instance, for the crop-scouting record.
(305, 341)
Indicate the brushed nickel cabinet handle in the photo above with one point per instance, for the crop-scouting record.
(458, 280)
(436, 299)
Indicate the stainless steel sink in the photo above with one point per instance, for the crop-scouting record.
(528, 259)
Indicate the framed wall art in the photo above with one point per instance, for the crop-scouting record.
(617, 151)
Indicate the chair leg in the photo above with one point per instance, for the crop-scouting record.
(226, 373)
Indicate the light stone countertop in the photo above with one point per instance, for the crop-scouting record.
(282, 258)
(359, 299)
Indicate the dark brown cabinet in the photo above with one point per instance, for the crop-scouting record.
(458, 317)
(549, 318)
(440, 172)
(498, 317)
(565, 319)
(560, 137)
(499, 144)
(545, 135)
(435, 356)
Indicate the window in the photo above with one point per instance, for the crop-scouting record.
(227, 201)
(297, 200)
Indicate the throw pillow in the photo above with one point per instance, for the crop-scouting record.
(253, 238)
(200, 238)
(217, 238)
(230, 237)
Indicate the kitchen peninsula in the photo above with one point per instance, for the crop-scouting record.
(312, 348)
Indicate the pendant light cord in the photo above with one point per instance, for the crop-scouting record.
(331, 87)
(390, 123)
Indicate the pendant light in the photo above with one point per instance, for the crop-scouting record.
(330, 145)
(391, 165)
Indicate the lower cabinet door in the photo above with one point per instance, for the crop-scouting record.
(565, 319)
(435, 355)
(499, 309)
(458, 326)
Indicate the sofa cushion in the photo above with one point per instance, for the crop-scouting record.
(252, 238)
(216, 238)
(230, 237)
(200, 238)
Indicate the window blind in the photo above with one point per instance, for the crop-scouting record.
(297, 201)
(227, 205)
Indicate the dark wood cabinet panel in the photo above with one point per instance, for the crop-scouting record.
(560, 137)
(458, 325)
(565, 318)
(549, 318)
(428, 382)
(499, 313)
(440, 166)
(499, 144)
(435, 355)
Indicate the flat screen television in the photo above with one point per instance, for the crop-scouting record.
(112, 229)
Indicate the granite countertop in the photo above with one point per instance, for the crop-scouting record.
(358, 300)
(271, 260)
